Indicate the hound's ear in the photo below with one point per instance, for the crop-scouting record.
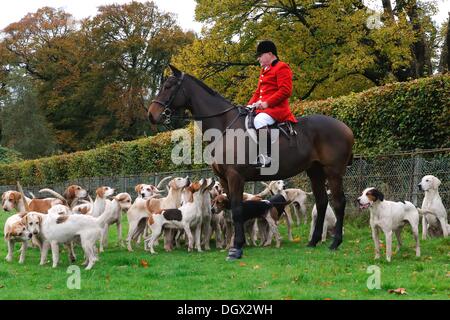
(211, 184)
(137, 188)
(175, 71)
(69, 193)
(436, 182)
(25, 219)
(377, 194)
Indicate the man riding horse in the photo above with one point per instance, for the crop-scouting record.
(318, 144)
(271, 97)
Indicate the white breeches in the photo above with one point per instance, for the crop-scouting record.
(263, 119)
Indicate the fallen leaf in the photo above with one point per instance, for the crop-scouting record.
(242, 264)
(296, 239)
(256, 267)
(327, 299)
(398, 291)
(144, 263)
(287, 298)
(1, 286)
(49, 286)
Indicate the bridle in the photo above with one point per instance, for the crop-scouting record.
(168, 112)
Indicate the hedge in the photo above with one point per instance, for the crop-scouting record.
(400, 116)
(395, 117)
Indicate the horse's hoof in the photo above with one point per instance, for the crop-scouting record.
(311, 244)
(334, 246)
(234, 254)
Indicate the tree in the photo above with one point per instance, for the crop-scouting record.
(444, 61)
(24, 128)
(134, 42)
(329, 45)
(93, 77)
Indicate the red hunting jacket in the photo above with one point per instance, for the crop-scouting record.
(275, 88)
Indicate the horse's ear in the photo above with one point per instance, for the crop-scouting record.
(175, 71)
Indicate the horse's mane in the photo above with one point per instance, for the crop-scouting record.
(208, 89)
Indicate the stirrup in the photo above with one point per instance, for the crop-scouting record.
(234, 254)
(263, 161)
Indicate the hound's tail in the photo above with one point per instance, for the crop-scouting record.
(54, 193)
(424, 212)
(25, 204)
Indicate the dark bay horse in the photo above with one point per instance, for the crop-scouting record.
(322, 148)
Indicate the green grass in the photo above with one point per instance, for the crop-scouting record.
(291, 272)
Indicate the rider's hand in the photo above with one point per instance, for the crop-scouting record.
(263, 105)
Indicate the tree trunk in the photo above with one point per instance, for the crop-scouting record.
(387, 6)
(447, 47)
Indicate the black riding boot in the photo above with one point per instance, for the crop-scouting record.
(264, 158)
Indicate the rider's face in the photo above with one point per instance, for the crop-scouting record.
(266, 59)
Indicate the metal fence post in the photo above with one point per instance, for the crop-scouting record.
(415, 176)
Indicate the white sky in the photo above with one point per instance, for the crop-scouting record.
(14, 10)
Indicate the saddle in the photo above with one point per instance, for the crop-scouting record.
(286, 127)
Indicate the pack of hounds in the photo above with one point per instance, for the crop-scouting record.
(196, 212)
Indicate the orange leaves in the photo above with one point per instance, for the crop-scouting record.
(399, 291)
(144, 263)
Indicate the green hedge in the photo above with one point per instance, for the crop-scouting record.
(396, 117)
(121, 158)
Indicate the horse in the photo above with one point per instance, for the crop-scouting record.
(322, 148)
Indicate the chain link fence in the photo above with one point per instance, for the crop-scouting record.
(396, 175)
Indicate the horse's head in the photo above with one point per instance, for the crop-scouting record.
(170, 100)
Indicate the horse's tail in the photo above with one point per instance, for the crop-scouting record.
(350, 161)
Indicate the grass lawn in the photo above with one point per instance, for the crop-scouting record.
(291, 272)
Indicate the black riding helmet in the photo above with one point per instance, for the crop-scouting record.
(266, 46)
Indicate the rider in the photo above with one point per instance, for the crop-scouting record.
(272, 93)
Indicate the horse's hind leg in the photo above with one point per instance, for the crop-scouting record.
(317, 177)
(335, 183)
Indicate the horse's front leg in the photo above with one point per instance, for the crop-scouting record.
(236, 188)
